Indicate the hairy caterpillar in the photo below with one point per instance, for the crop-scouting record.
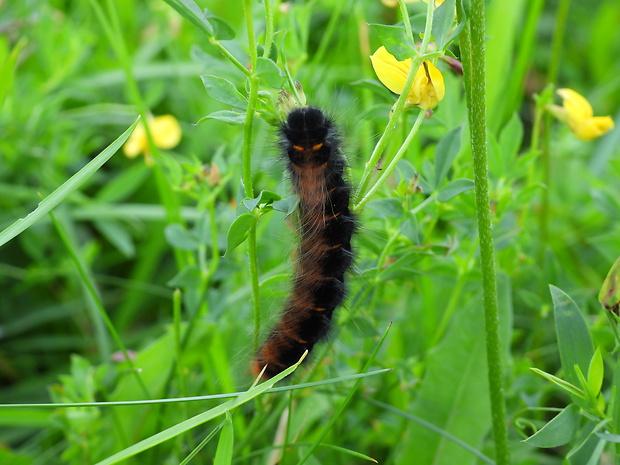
(316, 166)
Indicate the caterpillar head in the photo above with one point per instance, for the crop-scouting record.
(306, 127)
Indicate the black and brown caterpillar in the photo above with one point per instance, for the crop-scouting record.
(316, 165)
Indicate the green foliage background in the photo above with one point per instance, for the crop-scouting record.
(142, 231)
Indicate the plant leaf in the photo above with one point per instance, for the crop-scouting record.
(238, 231)
(574, 341)
(224, 451)
(445, 153)
(568, 387)
(454, 188)
(442, 22)
(227, 116)
(192, 12)
(197, 420)
(179, 237)
(69, 186)
(395, 40)
(223, 91)
(595, 373)
(559, 431)
(386, 208)
(268, 71)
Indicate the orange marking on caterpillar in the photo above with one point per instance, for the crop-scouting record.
(328, 218)
(299, 148)
(316, 147)
(287, 332)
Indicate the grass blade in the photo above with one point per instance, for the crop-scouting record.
(69, 186)
(197, 420)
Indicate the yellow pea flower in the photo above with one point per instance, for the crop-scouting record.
(166, 133)
(428, 88)
(437, 2)
(577, 112)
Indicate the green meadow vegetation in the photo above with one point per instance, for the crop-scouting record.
(148, 234)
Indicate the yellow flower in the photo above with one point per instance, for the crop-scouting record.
(394, 3)
(166, 133)
(577, 113)
(437, 2)
(428, 87)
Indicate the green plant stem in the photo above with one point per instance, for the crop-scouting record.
(398, 108)
(268, 28)
(95, 296)
(552, 77)
(113, 30)
(474, 67)
(385, 173)
(344, 402)
(247, 166)
(224, 51)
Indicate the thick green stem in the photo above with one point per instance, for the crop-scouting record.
(247, 164)
(474, 67)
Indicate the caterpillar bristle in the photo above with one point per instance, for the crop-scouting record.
(311, 145)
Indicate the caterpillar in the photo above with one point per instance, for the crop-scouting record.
(312, 146)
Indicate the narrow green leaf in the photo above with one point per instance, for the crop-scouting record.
(192, 12)
(454, 387)
(188, 277)
(510, 139)
(442, 22)
(375, 86)
(582, 379)
(223, 91)
(587, 450)
(230, 117)
(609, 296)
(386, 208)
(8, 66)
(179, 237)
(224, 451)
(395, 40)
(574, 341)
(454, 188)
(404, 267)
(568, 387)
(559, 431)
(609, 437)
(287, 205)
(221, 29)
(239, 230)
(265, 197)
(268, 71)
(69, 186)
(445, 153)
(198, 420)
(595, 373)
(409, 228)
(117, 234)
